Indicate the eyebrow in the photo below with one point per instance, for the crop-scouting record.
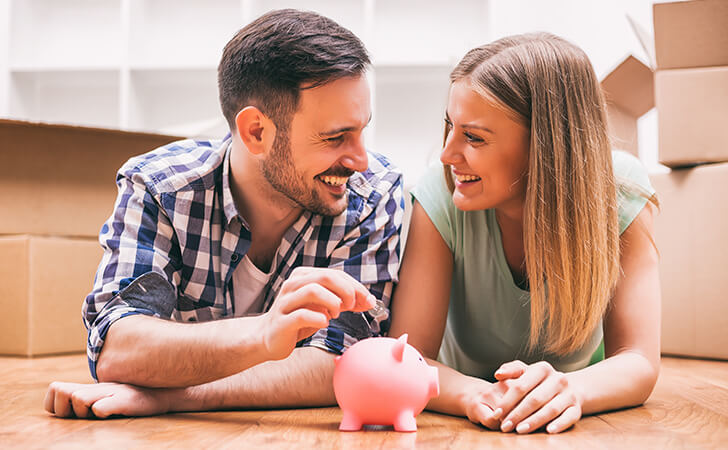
(344, 129)
(471, 125)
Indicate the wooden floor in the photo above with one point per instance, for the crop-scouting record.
(688, 409)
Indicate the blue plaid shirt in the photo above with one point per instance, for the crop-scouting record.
(175, 237)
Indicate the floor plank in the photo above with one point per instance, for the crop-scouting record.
(688, 409)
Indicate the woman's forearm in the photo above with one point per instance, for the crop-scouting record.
(455, 390)
(623, 380)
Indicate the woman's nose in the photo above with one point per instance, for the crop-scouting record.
(450, 153)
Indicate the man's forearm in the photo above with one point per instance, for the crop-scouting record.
(304, 379)
(150, 352)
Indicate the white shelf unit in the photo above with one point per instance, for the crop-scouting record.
(175, 101)
(150, 65)
(410, 107)
(77, 96)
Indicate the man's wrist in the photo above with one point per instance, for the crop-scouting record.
(250, 345)
(184, 399)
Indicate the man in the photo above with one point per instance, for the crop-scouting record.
(287, 229)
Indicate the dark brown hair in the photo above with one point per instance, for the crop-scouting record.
(269, 61)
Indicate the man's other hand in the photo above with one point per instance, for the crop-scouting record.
(88, 401)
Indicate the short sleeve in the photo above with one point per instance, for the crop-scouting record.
(432, 193)
(633, 187)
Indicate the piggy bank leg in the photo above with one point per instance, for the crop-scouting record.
(405, 422)
(350, 422)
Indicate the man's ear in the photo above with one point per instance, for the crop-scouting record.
(255, 129)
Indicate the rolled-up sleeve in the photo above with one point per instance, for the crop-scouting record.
(138, 273)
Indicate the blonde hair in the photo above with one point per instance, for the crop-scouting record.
(571, 231)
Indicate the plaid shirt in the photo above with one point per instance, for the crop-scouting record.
(175, 237)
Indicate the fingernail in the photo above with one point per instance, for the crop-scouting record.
(523, 427)
(551, 428)
(507, 426)
(497, 413)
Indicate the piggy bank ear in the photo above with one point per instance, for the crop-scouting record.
(398, 349)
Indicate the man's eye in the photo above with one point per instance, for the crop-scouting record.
(335, 139)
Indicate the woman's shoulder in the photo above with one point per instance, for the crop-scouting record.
(431, 190)
(633, 186)
(628, 167)
(432, 193)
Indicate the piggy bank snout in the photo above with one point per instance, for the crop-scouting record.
(434, 385)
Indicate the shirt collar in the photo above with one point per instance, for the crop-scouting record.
(357, 183)
(228, 203)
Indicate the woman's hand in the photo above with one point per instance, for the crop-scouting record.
(535, 396)
(478, 401)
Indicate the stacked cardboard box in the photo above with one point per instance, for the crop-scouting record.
(629, 93)
(690, 66)
(691, 81)
(57, 187)
(690, 232)
(691, 95)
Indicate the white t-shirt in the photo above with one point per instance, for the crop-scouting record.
(248, 285)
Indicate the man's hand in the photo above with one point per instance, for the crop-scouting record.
(537, 395)
(102, 400)
(308, 299)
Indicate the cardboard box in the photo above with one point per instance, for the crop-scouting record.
(690, 232)
(692, 115)
(60, 180)
(691, 107)
(629, 94)
(43, 283)
(691, 34)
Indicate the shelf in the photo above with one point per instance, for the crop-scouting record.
(45, 33)
(176, 102)
(181, 32)
(350, 13)
(151, 65)
(410, 104)
(412, 31)
(63, 68)
(76, 97)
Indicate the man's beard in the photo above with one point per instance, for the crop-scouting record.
(279, 171)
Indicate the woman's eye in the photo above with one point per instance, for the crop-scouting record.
(472, 138)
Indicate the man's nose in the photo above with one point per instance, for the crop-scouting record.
(356, 157)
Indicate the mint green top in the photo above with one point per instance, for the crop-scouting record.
(489, 316)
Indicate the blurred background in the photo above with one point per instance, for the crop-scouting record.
(150, 65)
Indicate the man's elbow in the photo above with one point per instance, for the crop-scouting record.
(108, 369)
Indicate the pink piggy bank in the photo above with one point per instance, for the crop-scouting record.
(383, 381)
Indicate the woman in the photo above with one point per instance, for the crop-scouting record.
(531, 247)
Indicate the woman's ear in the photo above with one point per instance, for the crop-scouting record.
(255, 130)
